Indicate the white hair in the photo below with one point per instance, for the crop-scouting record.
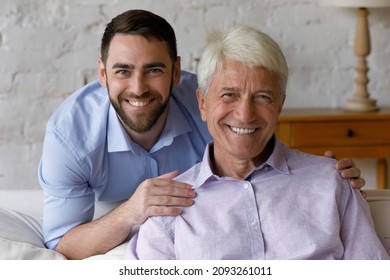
(244, 44)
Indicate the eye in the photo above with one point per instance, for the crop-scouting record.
(154, 71)
(122, 73)
(228, 96)
(264, 98)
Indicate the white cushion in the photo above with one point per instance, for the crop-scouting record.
(24, 201)
(21, 238)
(379, 202)
(14, 250)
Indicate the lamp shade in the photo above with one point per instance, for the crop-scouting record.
(356, 3)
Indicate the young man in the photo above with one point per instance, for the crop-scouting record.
(123, 139)
(256, 198)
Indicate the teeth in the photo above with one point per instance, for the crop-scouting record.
(138, 103)
(243, 130)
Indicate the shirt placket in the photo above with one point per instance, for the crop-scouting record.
(152, 166)
(253, 222)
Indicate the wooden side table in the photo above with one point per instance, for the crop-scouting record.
(353, 135)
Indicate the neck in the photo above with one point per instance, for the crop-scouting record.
(236, 167)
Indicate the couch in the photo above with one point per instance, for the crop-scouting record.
(21, 227)
(21, 235)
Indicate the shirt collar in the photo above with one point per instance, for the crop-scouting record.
(119, 141)
(176, 125)
(277, 160)
(205, 172)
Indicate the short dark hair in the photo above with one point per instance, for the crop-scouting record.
(139, 22)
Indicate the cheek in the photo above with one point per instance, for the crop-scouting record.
(216, 114)
(272, 117)
(115, 88)
(160, 87)
(211, 109)
(165, 90)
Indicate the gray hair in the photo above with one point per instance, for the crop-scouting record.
(244, 44)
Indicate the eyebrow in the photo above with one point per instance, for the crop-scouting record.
(122, 65)
(145, 66)
(230, 89)
(237, 89)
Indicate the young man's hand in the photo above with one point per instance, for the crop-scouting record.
(348, 171)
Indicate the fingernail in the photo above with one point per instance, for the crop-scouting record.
(192, 193)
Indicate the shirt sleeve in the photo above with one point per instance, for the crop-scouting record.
(68, 201)
(153, 241)
(357, 230)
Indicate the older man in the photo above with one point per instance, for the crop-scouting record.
(256, 198)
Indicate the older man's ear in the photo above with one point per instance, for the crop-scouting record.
(282, 102)
(201, 104)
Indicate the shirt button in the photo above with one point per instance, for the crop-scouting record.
(253, 222)
(246, 186)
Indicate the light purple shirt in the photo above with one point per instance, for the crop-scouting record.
(293, 206)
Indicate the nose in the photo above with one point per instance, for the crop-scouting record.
(245, 110)
(138, 84)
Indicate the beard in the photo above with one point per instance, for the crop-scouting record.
(140, 122)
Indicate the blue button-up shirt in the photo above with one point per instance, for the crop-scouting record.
(294, 206)
(88, 156)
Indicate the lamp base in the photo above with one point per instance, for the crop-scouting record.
(361, 105)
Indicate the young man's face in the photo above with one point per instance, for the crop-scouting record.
(139, 75)
(241, 108)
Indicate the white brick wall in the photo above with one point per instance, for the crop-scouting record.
(49, 48)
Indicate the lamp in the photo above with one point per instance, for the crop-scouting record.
(360, 100)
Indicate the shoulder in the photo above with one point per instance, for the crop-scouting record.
(297, 160)
(92, 97)
(185, 92)
(317, 171)
(190, 175)
(184, 95)
(82, 117)
(188, 82)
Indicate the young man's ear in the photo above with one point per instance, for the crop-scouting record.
(177, 71)
(102, 73)
(201, 104)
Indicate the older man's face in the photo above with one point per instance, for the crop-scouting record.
(241, 108)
